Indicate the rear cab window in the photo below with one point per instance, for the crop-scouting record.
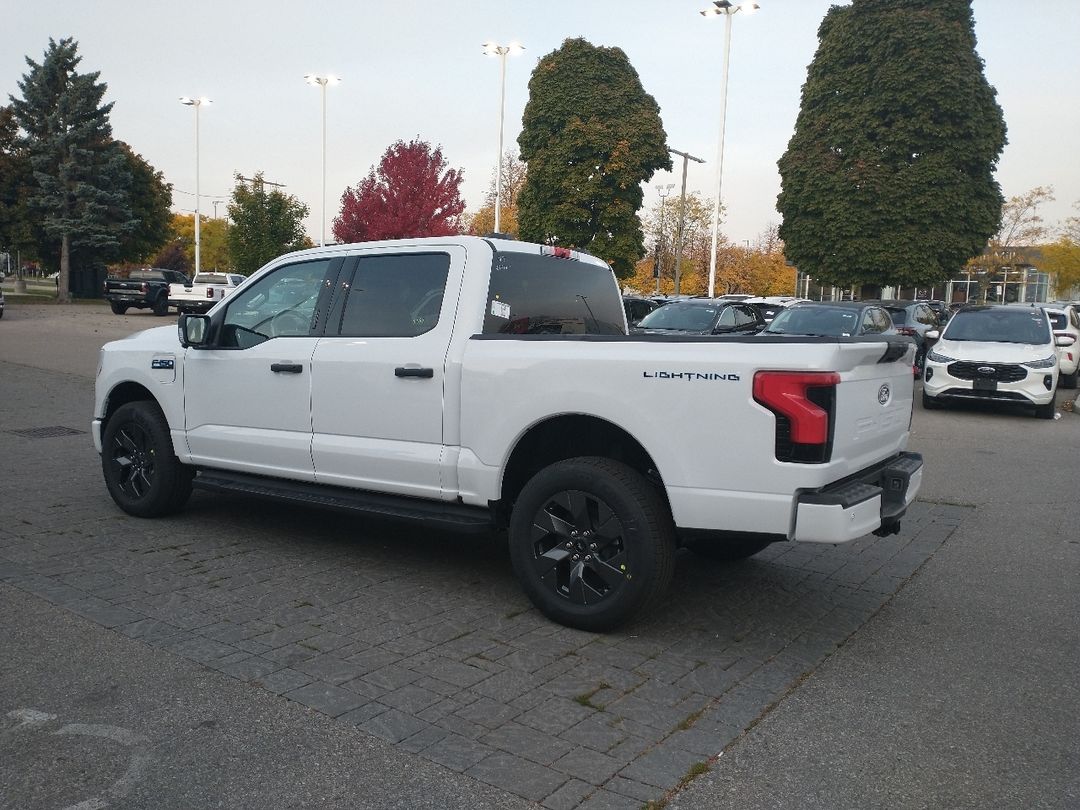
(537, 294)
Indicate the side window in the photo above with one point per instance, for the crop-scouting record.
(744, 317)
(395, 295)
(869, 325)
(882, 319)
(280, 304)
(927, 316)
(727, 317)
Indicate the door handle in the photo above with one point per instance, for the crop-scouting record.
(425, 373)
(286, 368)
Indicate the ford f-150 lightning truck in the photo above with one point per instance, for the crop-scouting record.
(486, 384)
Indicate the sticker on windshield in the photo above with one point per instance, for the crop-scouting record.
(500, 309)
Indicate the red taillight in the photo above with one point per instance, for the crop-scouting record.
(209, 292)
(144, 287)
(907, 331)
(788, 393)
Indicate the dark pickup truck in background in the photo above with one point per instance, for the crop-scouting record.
(143, 289)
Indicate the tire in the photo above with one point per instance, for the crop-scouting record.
(930, 403)
(1045, 411)
(728, 550)
(118, 308)
(141, 470)
(1068, 380)
(592, 543)
(161, 306)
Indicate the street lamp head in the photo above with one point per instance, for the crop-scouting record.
(495, 49)
(316, 79)
(194, 102)
(727, 7)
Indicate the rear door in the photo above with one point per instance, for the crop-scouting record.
(378, 374)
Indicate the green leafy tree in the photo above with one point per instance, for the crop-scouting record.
(889, 177)
(151, 202)
(264, 225)
(513, 178)
(214, 252)
(81, 178)
(591, 136)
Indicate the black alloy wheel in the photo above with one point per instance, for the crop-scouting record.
(161, 306)
(142, 473)
(578, 547)
(592, 542)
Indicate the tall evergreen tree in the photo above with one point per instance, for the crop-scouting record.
(591, 136)
(15, 175)
(81, 177)
(889, 177)
(264, 225)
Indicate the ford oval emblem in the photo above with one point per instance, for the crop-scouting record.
(883, 395)
(986, 371)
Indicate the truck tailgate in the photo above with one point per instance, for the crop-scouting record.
(873, 406)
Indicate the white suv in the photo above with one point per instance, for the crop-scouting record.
(997, 353)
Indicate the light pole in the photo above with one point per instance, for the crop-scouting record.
(682, 215)
(501, 51)
(322, 81)
(663, 191)
(728, 9)
(196, 103)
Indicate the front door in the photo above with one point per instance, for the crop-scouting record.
(248, 397)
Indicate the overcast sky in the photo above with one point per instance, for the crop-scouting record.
(415, 68)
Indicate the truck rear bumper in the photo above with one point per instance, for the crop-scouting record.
(872, 500)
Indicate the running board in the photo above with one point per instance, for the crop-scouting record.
(434, 514)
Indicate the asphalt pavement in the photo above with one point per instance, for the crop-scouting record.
(934, 669)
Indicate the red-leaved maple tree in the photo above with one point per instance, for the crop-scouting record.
(411, 193)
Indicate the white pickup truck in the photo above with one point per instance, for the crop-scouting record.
(203, 292)
(485, 384)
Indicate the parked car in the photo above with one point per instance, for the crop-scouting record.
(637, 308)
(701, 316)
(142, 289)
(832, 318)
(1, 303)
(204, 291)
(772, 305)
(997, 353)
(1065, 321)
(914, 319)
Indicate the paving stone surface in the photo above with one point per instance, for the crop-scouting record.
(425, 639)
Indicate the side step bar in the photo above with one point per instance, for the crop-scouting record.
(434, 514)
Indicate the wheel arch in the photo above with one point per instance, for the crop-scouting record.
(122, 394)
(557, 438)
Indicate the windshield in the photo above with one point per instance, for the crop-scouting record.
(682, 317)
(815, 320)
(998, 325)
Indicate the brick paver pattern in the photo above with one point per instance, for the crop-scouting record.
(425, 640)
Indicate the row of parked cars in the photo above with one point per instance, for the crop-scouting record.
(1019, 353)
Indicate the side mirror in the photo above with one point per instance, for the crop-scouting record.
(1064, 340)
(194, 330)
(932, 334)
